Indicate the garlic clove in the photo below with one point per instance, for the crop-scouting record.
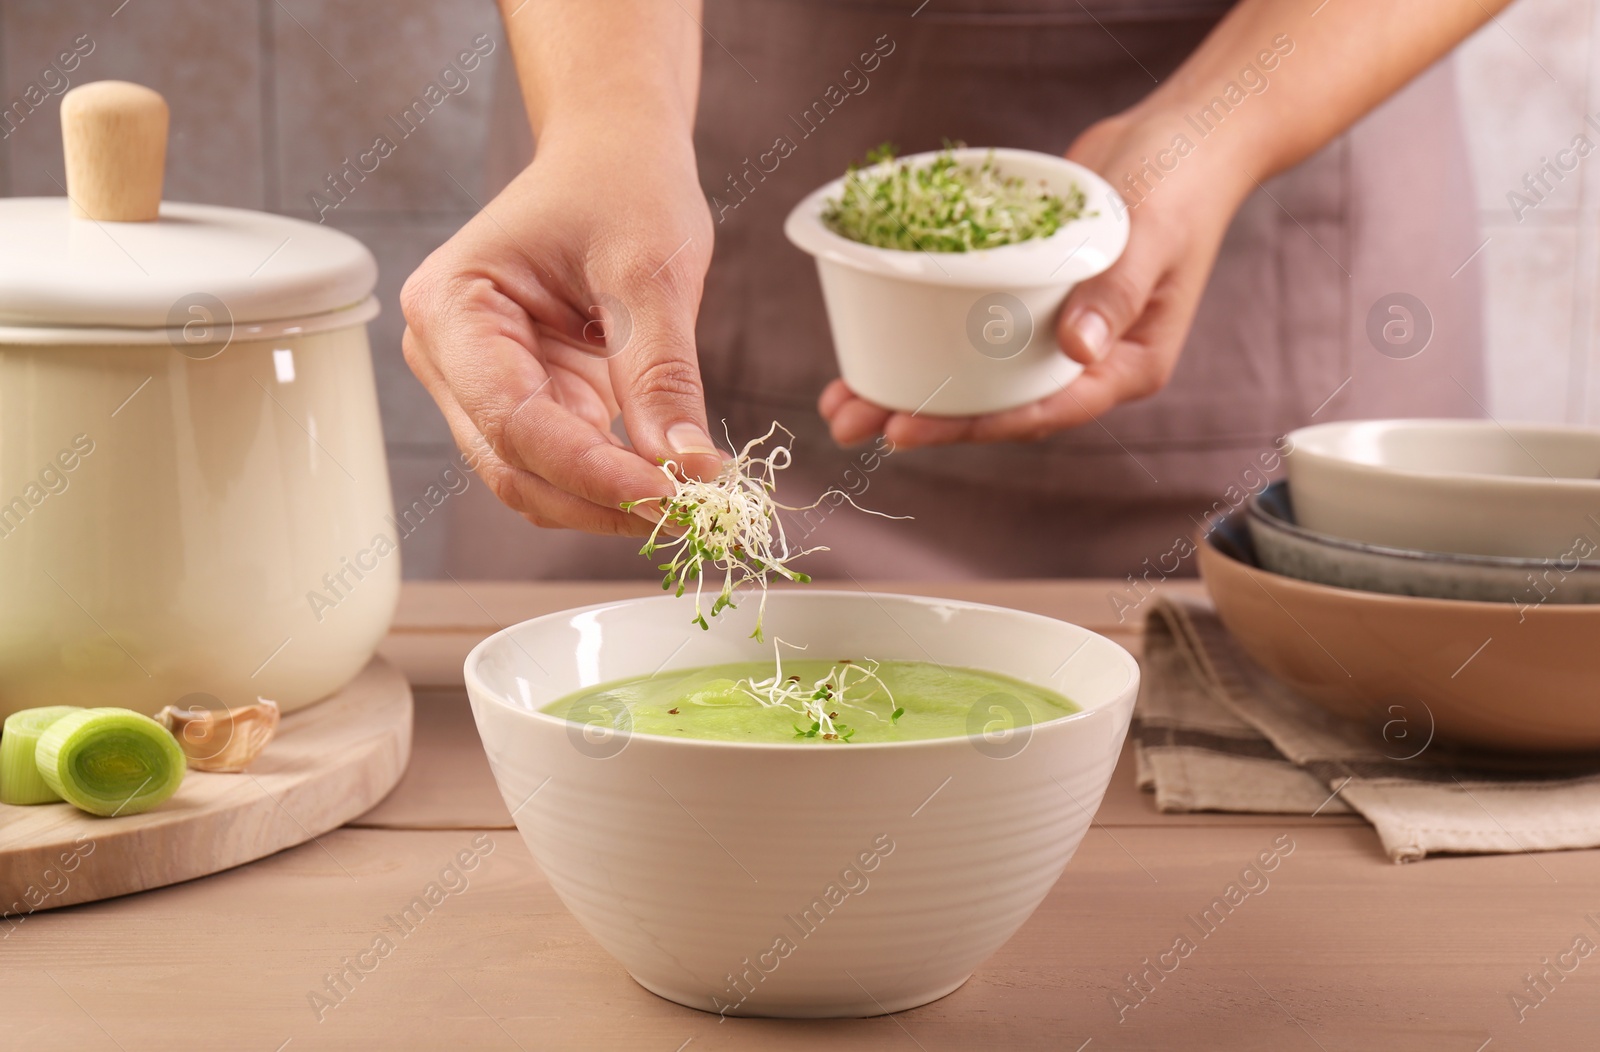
(222, 739)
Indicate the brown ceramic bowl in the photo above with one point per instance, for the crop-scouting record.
(1495, 675)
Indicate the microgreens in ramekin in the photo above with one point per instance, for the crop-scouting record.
(944, 205)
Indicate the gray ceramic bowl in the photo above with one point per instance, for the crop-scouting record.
(1293, 551)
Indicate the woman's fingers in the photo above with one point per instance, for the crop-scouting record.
(655, 368)
(909, 432)
(850, 419)
(656, 379)
(833, 397)
(1131, 370)
(1121, 377)
(524, 492)
(1101, 309)
(474, 347)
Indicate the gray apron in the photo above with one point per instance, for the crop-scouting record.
(1280, 339)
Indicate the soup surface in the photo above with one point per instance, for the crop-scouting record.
(888, 702)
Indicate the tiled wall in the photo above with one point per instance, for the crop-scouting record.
(1528, 80)
(268, 96)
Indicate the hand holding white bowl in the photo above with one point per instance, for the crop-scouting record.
(1126, 325)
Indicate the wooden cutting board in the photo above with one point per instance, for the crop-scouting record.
(329, 763)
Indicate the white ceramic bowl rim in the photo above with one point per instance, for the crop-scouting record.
(1314, 442)
(1256, 510)
(1085, 711)
(1081, 249)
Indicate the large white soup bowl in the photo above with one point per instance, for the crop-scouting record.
(800, 878)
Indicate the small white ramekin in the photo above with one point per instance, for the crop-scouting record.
(961, 333)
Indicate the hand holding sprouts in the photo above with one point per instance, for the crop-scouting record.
(731, 523)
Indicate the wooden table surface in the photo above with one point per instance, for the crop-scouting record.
(1342, 950)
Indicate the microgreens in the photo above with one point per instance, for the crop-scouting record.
(730, 522)
(944, 206)
(819, 703)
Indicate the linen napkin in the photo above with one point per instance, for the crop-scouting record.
(1214, 732)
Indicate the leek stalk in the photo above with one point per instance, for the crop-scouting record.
(20, 781)
(110, 761)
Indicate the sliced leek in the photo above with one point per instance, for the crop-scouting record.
(110, 761)
(20, 782)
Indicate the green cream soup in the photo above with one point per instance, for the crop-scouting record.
(889, 702)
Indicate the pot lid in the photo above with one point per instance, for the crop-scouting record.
(111, 253)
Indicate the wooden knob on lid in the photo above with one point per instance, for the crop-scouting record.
(114, 136)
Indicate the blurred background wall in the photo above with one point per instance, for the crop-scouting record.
(269, 97)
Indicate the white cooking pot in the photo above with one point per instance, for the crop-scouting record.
(193, 492)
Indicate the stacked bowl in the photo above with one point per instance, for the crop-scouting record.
(1447, 563)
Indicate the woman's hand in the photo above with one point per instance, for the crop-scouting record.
(1126, 325)
(570, 299)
